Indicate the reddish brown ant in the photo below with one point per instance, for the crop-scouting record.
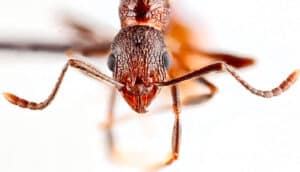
(140, 61)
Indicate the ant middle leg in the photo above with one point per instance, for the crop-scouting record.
(178, 69)
(195, 100)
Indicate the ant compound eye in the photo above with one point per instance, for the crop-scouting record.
(111, 62)
(166, 60)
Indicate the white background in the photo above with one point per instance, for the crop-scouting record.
(235, 131)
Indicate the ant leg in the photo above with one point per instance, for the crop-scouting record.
(177, 127)
(94, 44)
(98, 49)
(84, 67)
(221, 66)
(84, 41)
(178, 69)
(109, 122)
(231, 59)
(87, 50)
(35, 46)
(193, 100)
(80, 30)
(184, 49)
(176, 130)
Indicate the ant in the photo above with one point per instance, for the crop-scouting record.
(140, 60)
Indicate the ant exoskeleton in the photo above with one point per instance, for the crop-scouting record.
(140, 62)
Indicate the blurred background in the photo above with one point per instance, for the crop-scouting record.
(235, 131)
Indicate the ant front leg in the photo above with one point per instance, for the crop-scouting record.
(82, 66)
(176, 135)
(109, 123)
(177, 127)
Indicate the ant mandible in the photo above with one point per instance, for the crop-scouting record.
(140, 62)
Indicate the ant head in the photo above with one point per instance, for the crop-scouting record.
(139, 60)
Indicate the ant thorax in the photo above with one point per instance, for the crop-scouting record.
(153, 13)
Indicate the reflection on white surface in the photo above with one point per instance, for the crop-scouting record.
(234, 132)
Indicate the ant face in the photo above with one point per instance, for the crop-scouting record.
(139, 60)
